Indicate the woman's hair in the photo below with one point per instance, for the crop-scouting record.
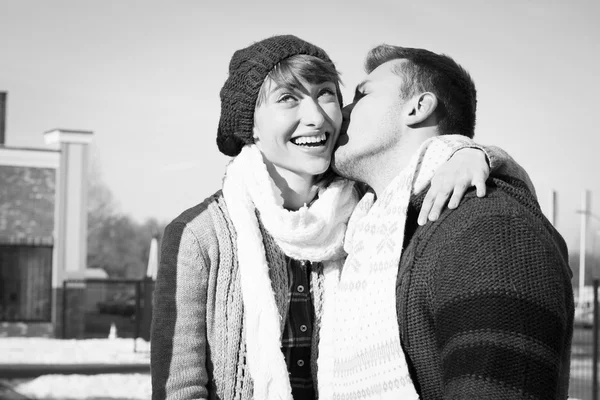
(248, 69)
(301, 67)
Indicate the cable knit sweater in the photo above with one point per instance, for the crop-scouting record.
(198, 346)
(485, 304)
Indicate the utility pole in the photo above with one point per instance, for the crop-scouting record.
(585, 212)
(2, 118)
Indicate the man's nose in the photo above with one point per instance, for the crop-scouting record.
(346, 111)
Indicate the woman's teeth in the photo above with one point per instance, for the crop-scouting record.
(310, 140)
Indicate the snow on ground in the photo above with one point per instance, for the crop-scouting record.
(103, 351)
(78, 387)
(59, 351)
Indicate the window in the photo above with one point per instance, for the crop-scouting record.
(25, 283)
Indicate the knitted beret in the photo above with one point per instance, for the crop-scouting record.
(247, 71)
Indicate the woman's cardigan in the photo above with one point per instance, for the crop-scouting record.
(198, 345)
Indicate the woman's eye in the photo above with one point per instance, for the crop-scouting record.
(286, 98)
(327, 95)
(327, 92)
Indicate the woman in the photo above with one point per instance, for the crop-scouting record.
(240, 287)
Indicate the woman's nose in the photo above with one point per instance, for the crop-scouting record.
(312, 113)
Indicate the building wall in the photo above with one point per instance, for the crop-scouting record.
(26, 242)
(27, 206)
(43, 204)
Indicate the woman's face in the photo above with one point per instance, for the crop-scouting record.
(296, 128)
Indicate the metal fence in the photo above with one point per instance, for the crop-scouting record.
(99, 308)
(127, 305)
(584, 354)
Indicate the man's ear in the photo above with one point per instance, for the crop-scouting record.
(423, 107)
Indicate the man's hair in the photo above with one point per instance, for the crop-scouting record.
(425, 71)
(292, 70)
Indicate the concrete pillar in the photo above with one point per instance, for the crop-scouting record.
(70, 228)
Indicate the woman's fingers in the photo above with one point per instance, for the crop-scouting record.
(452, 193)
(426, 207)
(438, 205)
(436, 198)
(457, 195)
(465, 169)
(480, 185)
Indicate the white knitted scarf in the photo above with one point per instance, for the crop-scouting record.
(366, 359)
(314, 233)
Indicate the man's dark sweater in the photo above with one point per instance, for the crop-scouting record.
(485, 303)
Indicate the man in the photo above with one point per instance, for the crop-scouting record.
(483, 298)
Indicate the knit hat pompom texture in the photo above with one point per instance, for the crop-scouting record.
(248, 69)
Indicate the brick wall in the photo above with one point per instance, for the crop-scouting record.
(71, 325)
(27, 207)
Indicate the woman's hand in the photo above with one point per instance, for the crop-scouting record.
(467, 167)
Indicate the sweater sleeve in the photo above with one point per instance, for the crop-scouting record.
(178, 352)
(502, 306)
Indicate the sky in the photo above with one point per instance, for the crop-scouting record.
(145, 76)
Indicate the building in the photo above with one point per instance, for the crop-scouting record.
(43, 233)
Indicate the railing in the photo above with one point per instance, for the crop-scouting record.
(584, 355)
(96, 308)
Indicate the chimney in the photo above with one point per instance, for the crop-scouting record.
(2, 117)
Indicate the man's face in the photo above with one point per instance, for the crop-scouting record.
(373, 123)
